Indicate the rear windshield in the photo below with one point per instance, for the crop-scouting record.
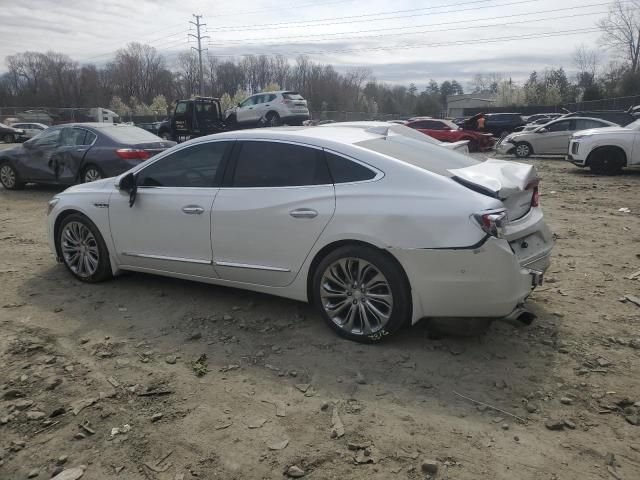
(433, 158)
(292, 96)
(129, 134)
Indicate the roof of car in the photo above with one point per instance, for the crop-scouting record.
(93, 125)
(344, 132)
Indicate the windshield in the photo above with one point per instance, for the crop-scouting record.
(634, 126)
(129, 134)
(433, 158)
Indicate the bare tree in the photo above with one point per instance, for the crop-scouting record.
(621, 31)
(586, 61)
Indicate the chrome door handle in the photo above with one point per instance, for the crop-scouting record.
(303, 213)
(192, 210)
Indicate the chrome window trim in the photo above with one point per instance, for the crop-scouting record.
(252, 267)
(171, 259)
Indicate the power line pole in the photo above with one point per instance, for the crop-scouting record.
(199, 37)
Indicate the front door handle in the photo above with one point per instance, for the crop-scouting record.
(303, 213)
(193, 210)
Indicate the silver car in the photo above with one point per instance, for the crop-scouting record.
(31, 129)
(269, 109)
(551, 138)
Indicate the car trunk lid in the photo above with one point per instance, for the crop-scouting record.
(515, 184)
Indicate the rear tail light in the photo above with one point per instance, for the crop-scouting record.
(492, 222)
(132, 154)
(535, 197)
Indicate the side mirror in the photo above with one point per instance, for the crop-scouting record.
(127, 183)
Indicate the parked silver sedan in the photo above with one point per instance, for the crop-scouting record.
(550, 138)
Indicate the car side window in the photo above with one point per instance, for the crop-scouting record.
(420, 124)
(181, 107)
(194, 166)
(434, 125)
(249, 101)
(271, 97)
(562, 126)
(89, 138)
(586, 124)
(275, 164)
(47, 138)
(344, 170)
(71, 137)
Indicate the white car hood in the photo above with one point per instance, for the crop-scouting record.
(605, 131)
(98, 185)
(499, 176)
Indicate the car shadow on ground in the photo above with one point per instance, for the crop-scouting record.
(263, 333)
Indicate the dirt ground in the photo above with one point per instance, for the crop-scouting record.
(78, 361)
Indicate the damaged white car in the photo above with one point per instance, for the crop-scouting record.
(375, 228)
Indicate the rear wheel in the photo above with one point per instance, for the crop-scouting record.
(362, 294)
(523, 150)
(83, 250)
(91, 173)
(607, 161)
(9, 177)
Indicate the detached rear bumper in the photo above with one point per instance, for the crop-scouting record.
(490, 280)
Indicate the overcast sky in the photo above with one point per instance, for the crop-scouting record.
(401, 41)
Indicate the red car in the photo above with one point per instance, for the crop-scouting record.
(447, 131)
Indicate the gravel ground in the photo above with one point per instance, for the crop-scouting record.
(154, 378)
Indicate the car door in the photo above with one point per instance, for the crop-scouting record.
(260, 107)
(553, 138)
(67, 158)
(245, 112)
(36, 162)
(168, 227)
(275, 201)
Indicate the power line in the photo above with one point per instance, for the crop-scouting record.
(363, 18)
(455, 22)
(150, 42)
(289, 8)
(428, 45)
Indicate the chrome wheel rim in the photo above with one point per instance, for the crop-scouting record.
(79, 249)
(356, 296)
(92, 175)
(522, 150)
(7, 176)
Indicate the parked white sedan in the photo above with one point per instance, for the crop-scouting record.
(377, 229)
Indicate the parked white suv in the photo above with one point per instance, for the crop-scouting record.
(606, 150)
(270, 109)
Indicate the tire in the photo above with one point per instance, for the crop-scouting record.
(9, 177)
(273, 119)
(82, 249)
(91, 173)
(385, 317)
(607, 161)
(523, 150)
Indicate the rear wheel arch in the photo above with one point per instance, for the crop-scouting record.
(324, 251)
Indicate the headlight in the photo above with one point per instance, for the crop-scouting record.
(52, 203)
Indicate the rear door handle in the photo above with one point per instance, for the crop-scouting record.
(192, 210)
(303, 213)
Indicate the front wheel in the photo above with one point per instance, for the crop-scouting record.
(83, 250)
(9, 177)
(523, 150)
(607, 161)
(273, 120)
(362, 294)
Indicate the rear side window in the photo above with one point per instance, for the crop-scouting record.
(89, 138)
(344, 170)
(273, 164)
(561, 126)
(292, 96)
(586, 124)
(195, 166)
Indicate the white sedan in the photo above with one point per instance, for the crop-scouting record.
(606, 150)
(376, 228)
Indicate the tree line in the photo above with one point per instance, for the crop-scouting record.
(141, 80)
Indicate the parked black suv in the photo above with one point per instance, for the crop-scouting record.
(499, 124)
(192, 118)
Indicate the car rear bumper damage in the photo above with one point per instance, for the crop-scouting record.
(492, 280)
